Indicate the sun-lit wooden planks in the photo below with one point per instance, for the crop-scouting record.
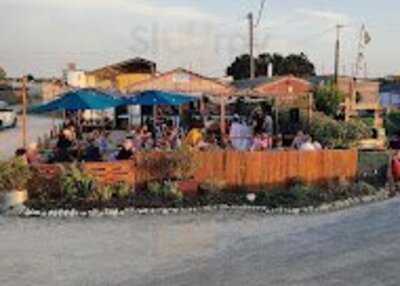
(239, 170)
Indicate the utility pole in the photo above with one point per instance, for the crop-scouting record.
(24, 108)
(251, 38)
(337, 53)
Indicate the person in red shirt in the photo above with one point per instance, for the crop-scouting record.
(396, 167)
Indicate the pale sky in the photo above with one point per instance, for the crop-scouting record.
(42, 36)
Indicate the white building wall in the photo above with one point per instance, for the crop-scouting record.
(76, 79)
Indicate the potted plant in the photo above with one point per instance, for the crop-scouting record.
(14, 177)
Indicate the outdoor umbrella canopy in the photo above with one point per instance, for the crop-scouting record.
(155, 97)
(81, 99)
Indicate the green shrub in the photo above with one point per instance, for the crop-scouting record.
(356, 130)
(373, 167)
(300, 195)
(296, 196)
(119, 191)
(122, 190)
(328, 101)
(14, 175)
(77, 185)
(368, 121)
(363, 189)
(392, 123)
(338, 134)
(165, 191)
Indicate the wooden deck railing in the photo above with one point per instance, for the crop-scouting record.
(251, 170)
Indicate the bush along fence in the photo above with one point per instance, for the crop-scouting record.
(154, 183)
(299, 200)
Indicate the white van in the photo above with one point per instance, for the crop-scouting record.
(8, 116)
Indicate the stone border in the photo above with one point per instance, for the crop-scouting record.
(95, 213)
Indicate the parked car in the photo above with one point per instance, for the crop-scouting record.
(8, 117)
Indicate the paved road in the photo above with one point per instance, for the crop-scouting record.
(10, 139)
(353, 247)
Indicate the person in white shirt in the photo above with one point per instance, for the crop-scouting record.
(308, 145)
(240, 134)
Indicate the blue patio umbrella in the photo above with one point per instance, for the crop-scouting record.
(156, 97)
(81, 99)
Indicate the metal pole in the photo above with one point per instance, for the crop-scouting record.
(24, 112)
(251, 38)
(277, 127)
(337, 53)
(223, 115)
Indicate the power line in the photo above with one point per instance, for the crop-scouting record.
(260, 12)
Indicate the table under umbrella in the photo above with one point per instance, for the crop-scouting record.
(156, 98)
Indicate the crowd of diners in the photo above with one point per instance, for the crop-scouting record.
(254, 133)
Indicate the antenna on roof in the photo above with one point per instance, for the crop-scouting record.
(361, 61)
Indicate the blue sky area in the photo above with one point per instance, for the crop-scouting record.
(42, 36)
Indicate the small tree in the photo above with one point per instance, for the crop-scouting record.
(3, 74)
(328, 100)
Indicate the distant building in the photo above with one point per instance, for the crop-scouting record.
(7, 93)
(362, 96)
(185, 81)
(284, 90)
(390, 96)
(121, 75)
(52, 89)
(74, 78)
(11, 89)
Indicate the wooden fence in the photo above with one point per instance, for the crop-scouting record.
(238, 170)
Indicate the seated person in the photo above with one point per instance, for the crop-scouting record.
(307, 144)
(194, 137)
(33, 155)
(266, 141)
(317, 145)
(65, 140)
(126, 151)
(103, 141)
(240, 134)
(64, 144)
(299, 140)
(92, 152)
(279, 142)
(145, 133)
(262, 142)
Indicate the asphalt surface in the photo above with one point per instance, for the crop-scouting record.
(360, 246)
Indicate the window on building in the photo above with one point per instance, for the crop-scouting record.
(358, 97)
